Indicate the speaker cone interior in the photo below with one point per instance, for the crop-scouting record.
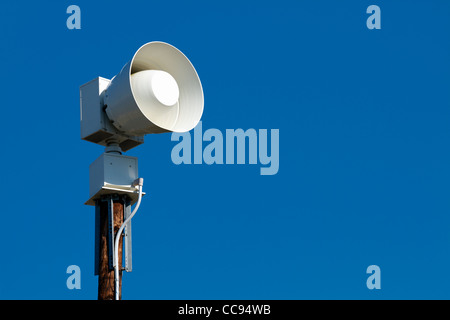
(157, 91)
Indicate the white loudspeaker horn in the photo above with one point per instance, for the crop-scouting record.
(157, 91)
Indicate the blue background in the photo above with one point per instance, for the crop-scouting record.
(364, 157)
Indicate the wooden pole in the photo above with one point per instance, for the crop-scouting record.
(106, 276)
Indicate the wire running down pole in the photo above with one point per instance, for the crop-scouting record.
(140, 183)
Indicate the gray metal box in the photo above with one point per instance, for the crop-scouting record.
(95, 124)
(113, 173)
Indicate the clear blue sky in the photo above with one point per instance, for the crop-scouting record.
(364, 177)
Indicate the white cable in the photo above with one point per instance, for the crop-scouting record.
(117, 238)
